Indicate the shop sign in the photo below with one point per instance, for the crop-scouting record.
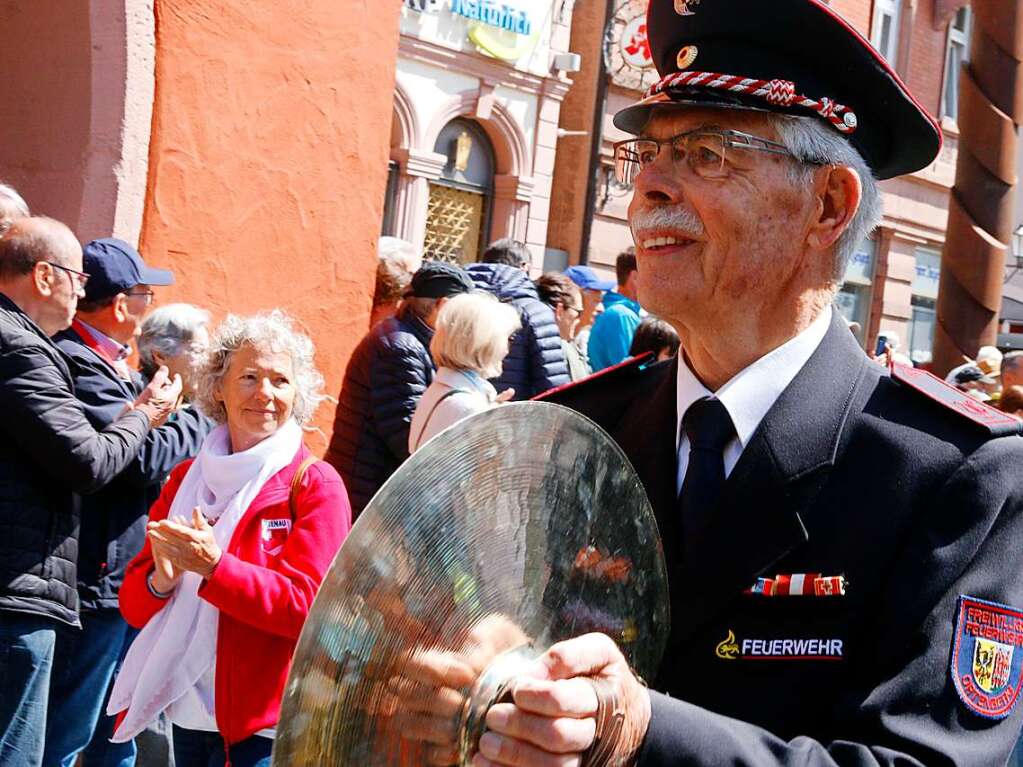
(494, 14)
(627, 55)
(422, 6)
(928, 273)
(860, 270)
(635, 44)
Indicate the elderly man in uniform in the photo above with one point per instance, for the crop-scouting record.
(842, 539)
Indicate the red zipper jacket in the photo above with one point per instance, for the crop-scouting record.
(263, 586)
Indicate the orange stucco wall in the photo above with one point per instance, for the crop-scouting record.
(268, 161)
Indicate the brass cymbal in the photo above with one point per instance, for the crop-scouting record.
(510, 531)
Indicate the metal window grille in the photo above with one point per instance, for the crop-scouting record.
(454, 219)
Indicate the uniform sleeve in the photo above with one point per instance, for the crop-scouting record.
(967, 542)
(398, 380)
(277, 599)
(548, 367)
(135, 600)
(42, 415)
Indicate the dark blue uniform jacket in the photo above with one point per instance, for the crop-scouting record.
(113, 519)
(850, 473)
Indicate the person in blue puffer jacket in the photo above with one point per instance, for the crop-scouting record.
(386, 375)
(535, 361)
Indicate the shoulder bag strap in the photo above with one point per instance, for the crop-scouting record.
(429, 415)
(296, 482)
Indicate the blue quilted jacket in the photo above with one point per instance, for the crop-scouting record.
(386, 375)
(535, 361)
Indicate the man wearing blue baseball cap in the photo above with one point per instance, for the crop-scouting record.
(107, 321)
(119, 291)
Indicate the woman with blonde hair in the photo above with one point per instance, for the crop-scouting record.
(468, 347)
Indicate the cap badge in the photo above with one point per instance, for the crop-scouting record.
(686, 56)
(682, 7)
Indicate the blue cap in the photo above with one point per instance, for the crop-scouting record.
(587, 279)
(115, 267)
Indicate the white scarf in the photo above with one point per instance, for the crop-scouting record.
(178, 644)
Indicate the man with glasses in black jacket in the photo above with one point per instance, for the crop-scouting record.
(49, 454)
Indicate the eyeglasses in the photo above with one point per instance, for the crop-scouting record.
(147, 293)
(705, 152)
(79, 277)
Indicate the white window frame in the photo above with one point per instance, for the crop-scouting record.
(957, 37)
(893, 10)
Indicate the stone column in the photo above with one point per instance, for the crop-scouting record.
(980, 215)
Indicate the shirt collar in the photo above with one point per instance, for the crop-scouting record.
(753, 391)
(113, 350)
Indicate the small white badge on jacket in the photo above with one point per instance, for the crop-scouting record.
(275, 533)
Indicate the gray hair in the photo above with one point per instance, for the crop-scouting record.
(816, 144)
(12, 205)
(274, 330)
(168, 330)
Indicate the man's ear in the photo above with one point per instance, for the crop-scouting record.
(120, 307)
(42, 278)
(839, 191)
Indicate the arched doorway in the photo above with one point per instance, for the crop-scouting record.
(459, 207)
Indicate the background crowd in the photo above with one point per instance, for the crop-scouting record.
(164, 528)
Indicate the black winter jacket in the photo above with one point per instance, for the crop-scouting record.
(48, 452)
(387, 374)
(535, 361)
(114, 518)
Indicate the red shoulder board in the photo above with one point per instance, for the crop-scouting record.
(630, 365)
(985, 416)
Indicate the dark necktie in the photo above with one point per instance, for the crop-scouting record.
(709, 428)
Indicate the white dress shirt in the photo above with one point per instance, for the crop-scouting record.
(750, 393)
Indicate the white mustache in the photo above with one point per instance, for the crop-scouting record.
(665, 218)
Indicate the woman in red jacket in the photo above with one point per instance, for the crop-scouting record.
(237, 545)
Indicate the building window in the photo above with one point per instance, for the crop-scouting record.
(458, 213)
(885, 28)
(388, 225)
(923, 300)
(957, 50)
(853, 298)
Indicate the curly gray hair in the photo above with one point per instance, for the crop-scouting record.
(273, 330)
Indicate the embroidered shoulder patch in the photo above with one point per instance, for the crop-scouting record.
(987, 656)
